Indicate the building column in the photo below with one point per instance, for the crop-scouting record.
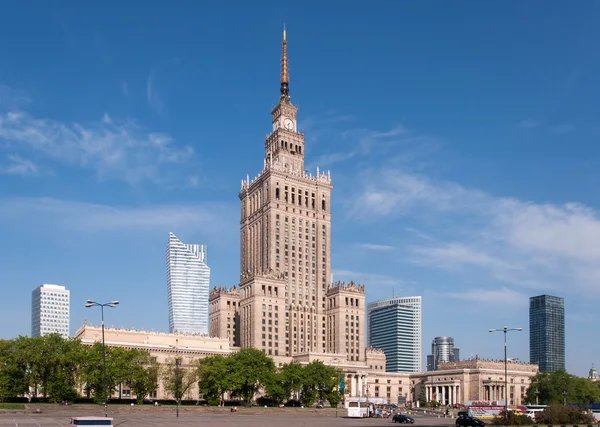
(427, 391)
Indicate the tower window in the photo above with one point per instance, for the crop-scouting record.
(323, 204)
(277, 193)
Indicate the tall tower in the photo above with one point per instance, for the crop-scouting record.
(50, 311)
(547, 332)
(285, 241)
(188, 278)
(395, 327)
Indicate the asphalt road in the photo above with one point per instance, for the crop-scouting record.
(223, 419)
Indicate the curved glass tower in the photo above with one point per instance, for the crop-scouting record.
(188, 278)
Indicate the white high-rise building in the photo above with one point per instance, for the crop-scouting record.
(188, 278)
(394, 326)
(50, 310)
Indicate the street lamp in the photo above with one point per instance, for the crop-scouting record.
(111, 304)
(505, 329)
(565, 397)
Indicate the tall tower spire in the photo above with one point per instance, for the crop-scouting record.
(285, 90)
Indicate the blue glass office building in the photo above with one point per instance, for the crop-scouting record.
(547, 332)
(394, 326)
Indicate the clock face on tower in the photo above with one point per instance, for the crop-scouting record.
(276, 125)
(289, 125)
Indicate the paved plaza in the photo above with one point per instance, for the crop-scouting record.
(189, 418)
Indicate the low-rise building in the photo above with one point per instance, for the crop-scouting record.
(367, 379)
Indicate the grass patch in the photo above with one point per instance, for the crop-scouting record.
(12, 406)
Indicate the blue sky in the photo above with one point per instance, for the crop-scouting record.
(462, 138)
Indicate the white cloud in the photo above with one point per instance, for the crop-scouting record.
(114, 149)
(214, 218)
(368, 279)
(525, 244)
(18, 166)
(501, 296)
(375, 247)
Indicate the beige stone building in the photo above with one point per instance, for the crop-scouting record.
(161, 346)
(475, 379)
(287, 304)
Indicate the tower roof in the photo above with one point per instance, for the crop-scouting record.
(285, 79)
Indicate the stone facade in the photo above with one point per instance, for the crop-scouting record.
(475, 379)
(285, 247)
(224, 314)
(345, 321)
(161, 346)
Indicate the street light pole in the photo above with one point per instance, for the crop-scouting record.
(111, 304)
(505, 329)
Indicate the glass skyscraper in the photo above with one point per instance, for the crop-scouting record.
(50, 310)
(188, 278)
(394, 326)
(442, 350)
(547, 332)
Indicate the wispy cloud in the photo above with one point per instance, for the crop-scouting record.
(211, 217)
(375, 247)
(153, 97)
(114, 149)
(502, 296)
(525, 244)
(18, 166)
(369, 279)
(363, 143)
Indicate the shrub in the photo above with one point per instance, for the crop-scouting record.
(559, 414)
(514, 419)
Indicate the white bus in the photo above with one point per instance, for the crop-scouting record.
(360, 409)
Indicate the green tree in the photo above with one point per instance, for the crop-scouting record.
(54, 364)
(143, 378)
(92, 372)
(178, 378)
(274, 387)
(423, 397)
(250, 370)
(14, 372)
(292, 377)
(558, 387)
(214, 374)
(320, 380)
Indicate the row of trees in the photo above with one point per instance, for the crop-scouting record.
(561, 387)
(61, 369)
(249, 371)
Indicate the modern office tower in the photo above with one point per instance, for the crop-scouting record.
(547, 332)
(442, 350)
(188, 278)
(50, 310)
(394, 326)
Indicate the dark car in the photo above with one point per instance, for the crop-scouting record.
(467, 421)
(399, 418)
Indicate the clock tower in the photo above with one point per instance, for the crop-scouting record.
(285, 265)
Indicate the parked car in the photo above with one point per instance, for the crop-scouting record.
(399, 418)
(467, 421)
